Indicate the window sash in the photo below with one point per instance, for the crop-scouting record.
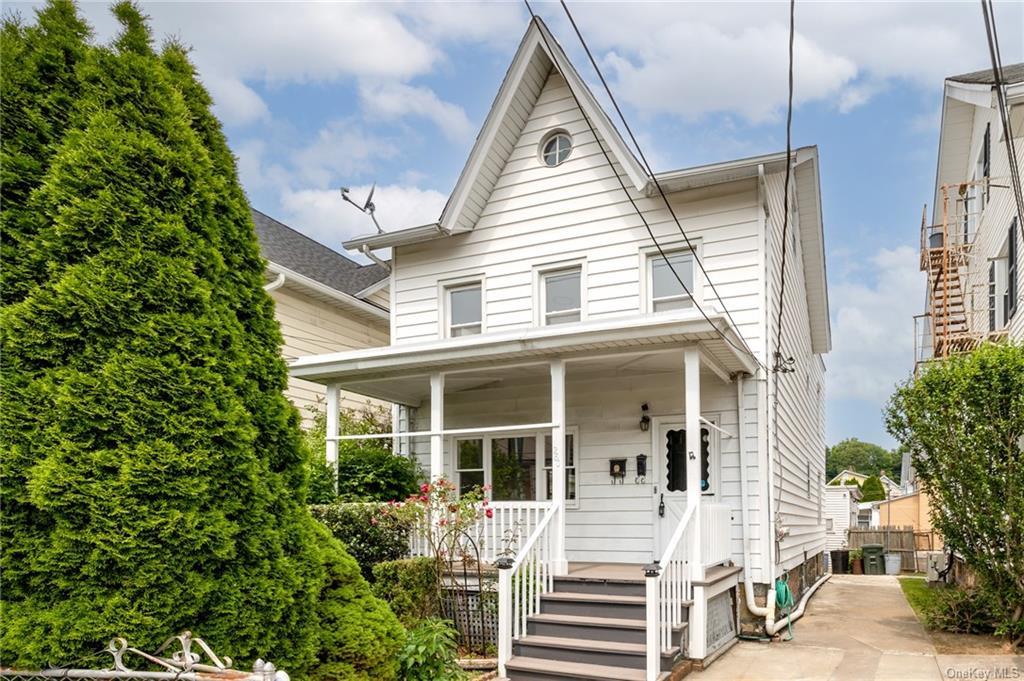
(664, 287)
(562, 302)
(465, 319)
(571, 479)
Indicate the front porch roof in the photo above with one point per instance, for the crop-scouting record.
(356, 369)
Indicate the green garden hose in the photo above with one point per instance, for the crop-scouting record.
(784, 602)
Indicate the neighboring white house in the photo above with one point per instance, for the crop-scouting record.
(971, 250)
(841, 510)
(892, 488)
(323, 301)
(541, 344)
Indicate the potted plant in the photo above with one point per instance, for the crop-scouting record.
(857, 561)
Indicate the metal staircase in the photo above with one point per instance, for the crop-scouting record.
(954, 321)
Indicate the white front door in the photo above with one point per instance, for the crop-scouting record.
(670, 461)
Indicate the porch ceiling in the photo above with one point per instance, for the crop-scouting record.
(399, 373)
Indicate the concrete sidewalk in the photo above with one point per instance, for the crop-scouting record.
(856, 628)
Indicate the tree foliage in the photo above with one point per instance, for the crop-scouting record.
(963, 422)
(152, 472)
(862, 457)
(872, 489)
(368, 470)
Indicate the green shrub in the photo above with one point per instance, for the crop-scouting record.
(872, 489)
(410, 588)
(430, 653)
(152, 474)
(370, 536)
(960, 610)
(367, 469)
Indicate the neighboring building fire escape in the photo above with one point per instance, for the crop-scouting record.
(957, 313)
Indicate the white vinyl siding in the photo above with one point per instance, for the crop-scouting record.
(537, 215)
(841, 510)
(799, 452)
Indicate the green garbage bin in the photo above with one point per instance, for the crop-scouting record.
(874, 559)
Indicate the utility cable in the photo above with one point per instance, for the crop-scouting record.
(636, 208)
(647, 166)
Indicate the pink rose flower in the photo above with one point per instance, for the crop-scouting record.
(489, 513)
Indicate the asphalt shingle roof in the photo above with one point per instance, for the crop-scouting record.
(284, 246)
(1014, 73)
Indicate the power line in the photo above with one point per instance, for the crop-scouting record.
(647, 166)
(785, 364)
(640, 214)
(988, 11)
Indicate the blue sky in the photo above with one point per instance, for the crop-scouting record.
(318, 95)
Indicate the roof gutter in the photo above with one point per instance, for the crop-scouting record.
(293, 277)
(276, 284)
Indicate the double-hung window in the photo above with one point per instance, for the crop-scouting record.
(469, 464)
(465, 310)
(670, 277)
(562, 296)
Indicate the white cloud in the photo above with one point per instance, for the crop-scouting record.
(324, 216)
(392, 100)
(697, 58)
(341, 148)
(873, 308)
(235, 103)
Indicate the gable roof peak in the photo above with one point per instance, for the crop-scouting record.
(538, 54)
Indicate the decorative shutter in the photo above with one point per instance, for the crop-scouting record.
(1011, 271)
(987, 159)
(992, 296)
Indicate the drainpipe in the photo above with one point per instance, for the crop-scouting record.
(768, 610)
(276, 284)
(370, 254)
(795, 615)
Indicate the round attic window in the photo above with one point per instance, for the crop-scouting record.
(556, 149)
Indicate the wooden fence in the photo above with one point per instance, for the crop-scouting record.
(899, 540)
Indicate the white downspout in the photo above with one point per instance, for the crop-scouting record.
(372, 256)
(795, 615)
(276, 284)
(768, 610)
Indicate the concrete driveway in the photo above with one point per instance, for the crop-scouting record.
(856, 628)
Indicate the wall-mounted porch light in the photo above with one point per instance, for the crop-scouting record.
(645, 418)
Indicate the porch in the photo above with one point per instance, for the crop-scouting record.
(603, 447)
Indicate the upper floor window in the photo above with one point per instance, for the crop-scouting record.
(465, 310)
(668, 275)
(1002, 282)
(561, 296)
(556, 149)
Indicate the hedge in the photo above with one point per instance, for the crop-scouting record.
(409, 586)
(369, 536)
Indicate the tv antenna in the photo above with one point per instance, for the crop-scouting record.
(368, 207)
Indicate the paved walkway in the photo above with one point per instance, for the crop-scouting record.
(856, 628)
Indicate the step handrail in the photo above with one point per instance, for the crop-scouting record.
(533, 565)
(668, 589)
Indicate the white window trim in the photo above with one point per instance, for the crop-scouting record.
(444, 306)
(554, 267)
(540, 478)
(647, 256)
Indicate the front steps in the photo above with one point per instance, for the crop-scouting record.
(589, 628)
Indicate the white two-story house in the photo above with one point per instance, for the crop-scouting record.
(612, 381)
(971, 247)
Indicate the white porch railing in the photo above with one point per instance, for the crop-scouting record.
(715, 534)
(669, 593)
(522, 581)
(509, 526)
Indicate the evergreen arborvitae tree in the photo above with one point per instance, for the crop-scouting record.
(153, 473)
(872, 489)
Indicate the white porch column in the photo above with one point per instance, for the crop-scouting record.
(698, 614)
(436, 425)
(333, 407)
(561, 565)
